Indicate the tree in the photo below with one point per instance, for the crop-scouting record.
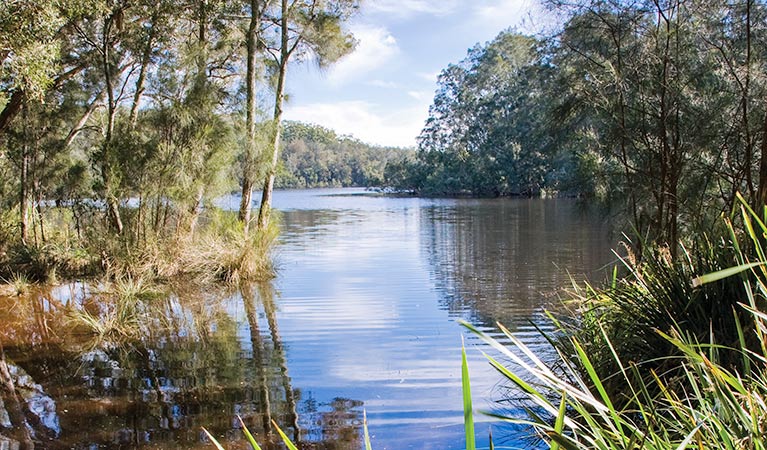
(254, 48)
(484, 135)
(306, 27)
(665, 91)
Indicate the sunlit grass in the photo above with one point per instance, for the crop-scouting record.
(19, 284)
(706, 395)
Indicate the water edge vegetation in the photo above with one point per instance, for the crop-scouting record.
(112, 143)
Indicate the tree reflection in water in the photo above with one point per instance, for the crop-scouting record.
(200, 359)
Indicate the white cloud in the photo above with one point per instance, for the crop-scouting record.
(366, 121)
(429, 76)
(419, 95)
(383, 84)
(501, 14)
(376, 46)
(409, 8)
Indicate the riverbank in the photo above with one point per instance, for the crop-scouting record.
(213, 248)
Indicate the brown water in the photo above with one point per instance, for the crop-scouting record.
(362, 316)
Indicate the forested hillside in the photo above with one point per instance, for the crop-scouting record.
(314, 156)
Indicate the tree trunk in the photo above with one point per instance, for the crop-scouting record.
(84, 119)
(113, 212)
(250, 147)
(266, 200)
(24, 195)
(140, 84)
(11, 109)
(195, 210)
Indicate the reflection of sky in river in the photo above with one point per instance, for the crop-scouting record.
(367, 297)
(362, 314)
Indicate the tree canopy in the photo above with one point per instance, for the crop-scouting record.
(120, 119)
(655, 108)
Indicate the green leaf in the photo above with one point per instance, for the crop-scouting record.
(468, 418)
(212, 439)
(559, 424)
(284, 437)
(721, 274)
(248, 436)
(365, 428)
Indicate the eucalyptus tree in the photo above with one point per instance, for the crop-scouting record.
(254, 45)
(307, 28)
(484, 131)
(666, 92)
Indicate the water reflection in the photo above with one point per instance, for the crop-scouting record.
(504, 260)
(362, 314)
(201, 361)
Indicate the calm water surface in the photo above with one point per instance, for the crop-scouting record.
(362, 316)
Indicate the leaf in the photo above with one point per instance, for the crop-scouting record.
(284, 437)
(722, 274)
(212, 439)
(690, 436)
(365, 428)
(248, 436)
(468, 418)
(559, 424)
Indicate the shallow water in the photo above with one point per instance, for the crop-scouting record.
(362, 316)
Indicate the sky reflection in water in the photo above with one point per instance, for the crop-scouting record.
(362, 315)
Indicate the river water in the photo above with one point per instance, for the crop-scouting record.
(362, 316)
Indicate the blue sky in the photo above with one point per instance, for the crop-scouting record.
(381, 93)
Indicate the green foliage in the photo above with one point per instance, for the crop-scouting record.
(658, 359)
(121, 122)
(314, 156)
(487, 131)
(468, 411)
(653, 109)
(658, 293)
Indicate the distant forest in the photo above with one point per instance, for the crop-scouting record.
(314, 156)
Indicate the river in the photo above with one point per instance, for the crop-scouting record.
(362, 316)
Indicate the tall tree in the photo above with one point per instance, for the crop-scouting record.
(253, 48)
(306, 27)
(485, 132)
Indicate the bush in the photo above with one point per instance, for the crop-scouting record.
(660, 359)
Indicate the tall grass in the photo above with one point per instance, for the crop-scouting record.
(217, 249)
(658, 293)
(227, 253)
(659, 360)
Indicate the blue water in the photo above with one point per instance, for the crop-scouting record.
(362, 316)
